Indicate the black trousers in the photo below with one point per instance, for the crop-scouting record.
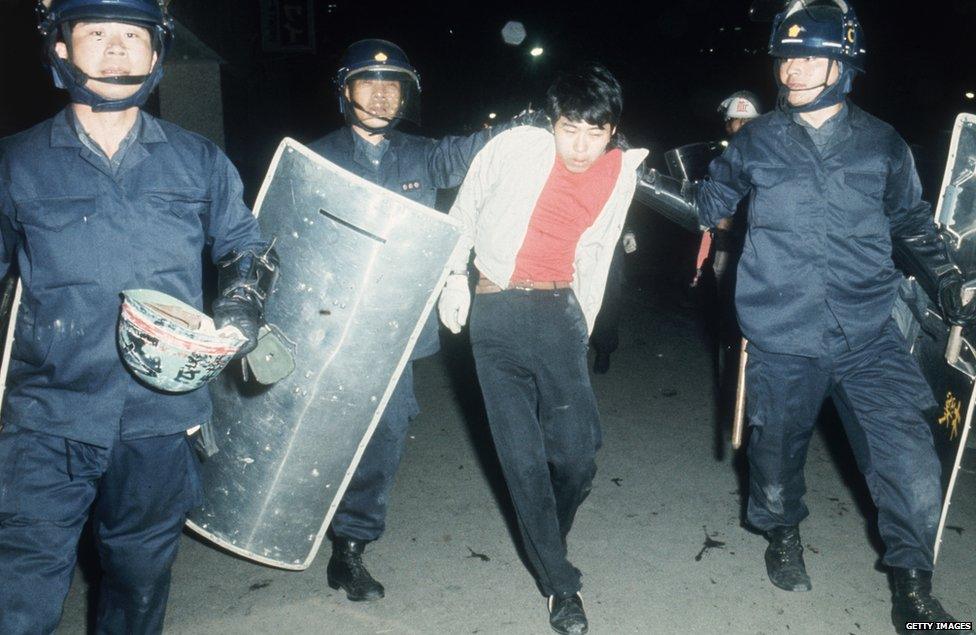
(362, 512)
(137, 494)
(881, 396)
(530, 352)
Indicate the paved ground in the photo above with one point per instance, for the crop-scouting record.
(660, 540)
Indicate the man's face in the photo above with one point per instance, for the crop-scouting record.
(805, 77)
(734, 125)
(376, 101)
(108, 49)
(580, 144)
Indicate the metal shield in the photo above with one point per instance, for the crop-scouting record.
(690, 162)
(360, 270)
(953, 386)
(956, 211)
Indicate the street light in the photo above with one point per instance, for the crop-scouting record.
(492, 115)
(970, 95)
(536, 52)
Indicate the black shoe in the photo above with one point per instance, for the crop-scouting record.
(566, 615)
(784, 559)
(346, 570)
(912, 599)
(602, 363)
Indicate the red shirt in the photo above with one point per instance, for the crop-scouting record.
(567, 206)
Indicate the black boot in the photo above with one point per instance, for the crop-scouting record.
(566, 615)
(346, 570)
(912, 599)
(784, 559)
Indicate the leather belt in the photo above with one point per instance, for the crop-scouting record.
(487, 286)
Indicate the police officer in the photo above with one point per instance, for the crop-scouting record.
(96, 200)
(834, 201)
(378, 88)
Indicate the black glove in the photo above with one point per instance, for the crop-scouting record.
(244, 316)
(950, 301)
(245, 280)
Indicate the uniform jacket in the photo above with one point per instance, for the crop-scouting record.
(818, 249)
(496, 202)
(80, 236)
(415, 167)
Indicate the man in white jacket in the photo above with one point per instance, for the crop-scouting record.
(543, 212)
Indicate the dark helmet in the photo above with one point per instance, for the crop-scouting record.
(379, 59)
(829, 28)
(55, 19)
(819, 28)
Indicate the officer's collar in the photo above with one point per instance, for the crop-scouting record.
(63, 133)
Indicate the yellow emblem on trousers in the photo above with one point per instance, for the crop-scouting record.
(951, 415)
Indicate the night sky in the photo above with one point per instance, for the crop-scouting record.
(676, 61)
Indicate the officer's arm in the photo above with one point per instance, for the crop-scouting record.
(918, 247)
(718, 196)
(449, 158)
(247, 265)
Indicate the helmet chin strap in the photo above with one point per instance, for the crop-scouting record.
(353, 119)
(830, 94)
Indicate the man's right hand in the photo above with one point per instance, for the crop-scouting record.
(455, 302)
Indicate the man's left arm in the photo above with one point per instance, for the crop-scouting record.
(449, 158)
(918, 247)
(247, 264)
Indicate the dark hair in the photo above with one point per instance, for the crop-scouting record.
(587, 93)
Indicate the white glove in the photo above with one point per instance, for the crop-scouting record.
(629, 242)
(455, 302)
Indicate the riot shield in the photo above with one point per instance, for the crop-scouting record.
(690, 162)
(956, 211)
(953, 387)
(360, 271)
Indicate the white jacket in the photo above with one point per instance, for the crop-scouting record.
(499, 194)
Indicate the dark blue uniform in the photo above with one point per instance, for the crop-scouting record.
(415, 167)
(815, 288)
(77, 427)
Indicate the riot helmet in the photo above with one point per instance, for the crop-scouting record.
(389, 91)
(169, 345)
(56, 18)
(819, 28)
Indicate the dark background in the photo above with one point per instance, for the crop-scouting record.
(676, 61)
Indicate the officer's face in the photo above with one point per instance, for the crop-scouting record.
(109, 49)
(805, 77)
(580, 144)
(734, 125)
(376, 100)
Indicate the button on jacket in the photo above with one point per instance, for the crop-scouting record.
(819, 246)
(82, 233)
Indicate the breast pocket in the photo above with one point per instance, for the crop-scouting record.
(777, 198)
(862, 201)
(61, 241)
(177, 228)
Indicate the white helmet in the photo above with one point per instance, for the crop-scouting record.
(168, 344)
(740, 105)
